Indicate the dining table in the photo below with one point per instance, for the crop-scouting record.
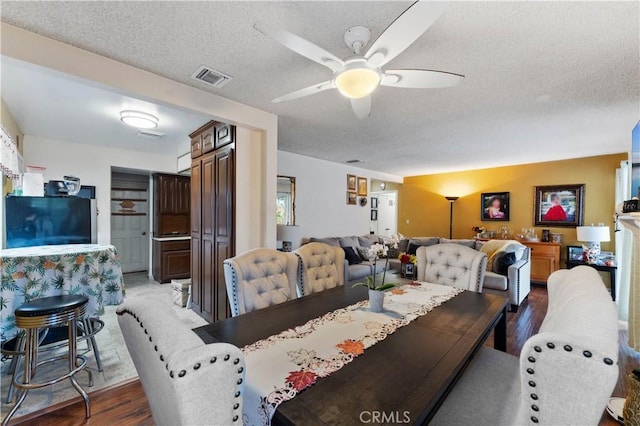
(29, 273)
(403, 378)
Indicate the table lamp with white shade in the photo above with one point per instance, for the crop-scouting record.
(287, 234)
(592, 236)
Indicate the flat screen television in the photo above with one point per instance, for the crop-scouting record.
(39, 221)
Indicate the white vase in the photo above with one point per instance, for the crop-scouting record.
(376, 300)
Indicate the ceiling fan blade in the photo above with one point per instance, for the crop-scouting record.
(420, 79)
(300, 46)
(311, 90)
(405, 30)
(362, 107)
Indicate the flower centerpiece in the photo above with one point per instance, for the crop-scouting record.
(376, 291)
(408, 263)
(479, 230)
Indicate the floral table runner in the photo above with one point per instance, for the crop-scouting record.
(282, 365)
(33, 272)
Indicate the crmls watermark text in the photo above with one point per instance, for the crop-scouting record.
(380, 417)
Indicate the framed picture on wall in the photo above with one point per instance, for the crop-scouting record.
(352, 183)
(374, 215)
(374, 202)
(352, 198)
(362, 186)
(494, 206)
(559, 205)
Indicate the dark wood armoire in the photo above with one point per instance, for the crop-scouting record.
(212, 217)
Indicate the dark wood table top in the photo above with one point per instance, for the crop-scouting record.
(408, 374)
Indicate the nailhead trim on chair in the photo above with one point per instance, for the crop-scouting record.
(197, 365)
(532, 384)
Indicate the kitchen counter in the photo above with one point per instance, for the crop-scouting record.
(177, 238)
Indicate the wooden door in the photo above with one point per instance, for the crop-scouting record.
(224, 235)
(196, 244)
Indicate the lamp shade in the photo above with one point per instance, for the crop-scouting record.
(287, 233)
(593, 233)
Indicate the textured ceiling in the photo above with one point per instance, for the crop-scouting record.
(544, 80)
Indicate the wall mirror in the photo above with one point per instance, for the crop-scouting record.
(286, 201)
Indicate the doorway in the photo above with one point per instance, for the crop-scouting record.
(130, 219)
(387, 223)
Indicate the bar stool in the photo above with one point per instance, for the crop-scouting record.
(51, 312)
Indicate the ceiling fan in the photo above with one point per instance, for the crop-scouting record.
(358, 76)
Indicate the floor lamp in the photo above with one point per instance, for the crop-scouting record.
(451, 200)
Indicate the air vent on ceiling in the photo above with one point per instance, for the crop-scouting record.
(150, 134)
(210, 76)
(354, 161)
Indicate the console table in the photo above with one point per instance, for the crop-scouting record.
(603, 268)
(545, 259)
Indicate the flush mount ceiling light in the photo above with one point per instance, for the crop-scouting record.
(138, 119)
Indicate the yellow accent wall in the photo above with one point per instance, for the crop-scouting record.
(422, 202)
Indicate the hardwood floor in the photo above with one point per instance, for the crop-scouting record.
(126, 405)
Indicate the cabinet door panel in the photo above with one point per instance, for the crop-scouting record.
(196, 146)
(183, 191)
(196, 196)
(208, 200)
(167, 194)
(208, 140)
(177, 264)
(209, 278)
(196, 276)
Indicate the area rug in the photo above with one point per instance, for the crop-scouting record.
(117, 364)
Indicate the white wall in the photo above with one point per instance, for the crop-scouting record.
(92, 164)
(250, 226)
(321, 191)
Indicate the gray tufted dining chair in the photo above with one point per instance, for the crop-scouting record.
(452, 264)
(187, 382)
(322, 267)
(260, 278)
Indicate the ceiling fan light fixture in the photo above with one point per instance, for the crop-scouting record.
(139, 119)
(357, 81)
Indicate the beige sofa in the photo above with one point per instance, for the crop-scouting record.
(565, 374)
(515, 285)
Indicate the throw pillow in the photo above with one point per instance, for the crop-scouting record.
(364, 254)
(349, 242)
(502, 262)
(352, 257)
(413, 249)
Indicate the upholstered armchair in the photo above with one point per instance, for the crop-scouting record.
(565, 374)
(260, 278)
(186, 381)
(322, 267)
(452, 264)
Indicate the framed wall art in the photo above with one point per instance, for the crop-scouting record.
(374, 215)
(374, 202)
(559, 205)
(494, 206)
(362, 186)
(352, 198)
(352, 183)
